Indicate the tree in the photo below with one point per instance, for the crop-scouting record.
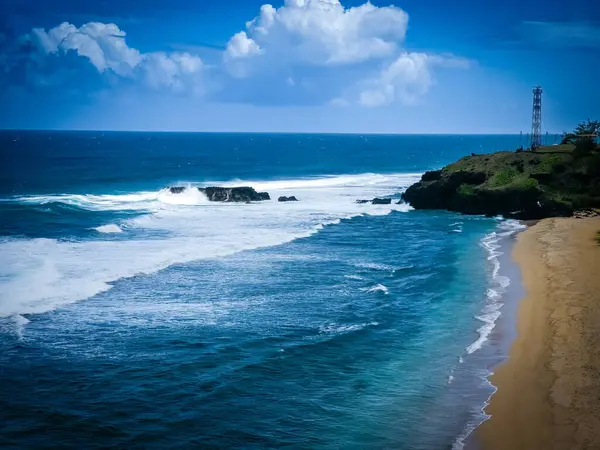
(585, 130)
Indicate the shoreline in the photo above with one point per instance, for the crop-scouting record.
(505, 289)
(547, 391)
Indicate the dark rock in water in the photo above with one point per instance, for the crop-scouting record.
(376, 201)
(235, 194)
(381, 201)
(287, 199)
(177, 189)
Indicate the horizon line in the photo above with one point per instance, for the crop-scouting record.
(353, 133)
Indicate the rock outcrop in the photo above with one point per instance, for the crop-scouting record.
(381, 201)
(376, 201)
(287, 199)
(235, 194)
(524, 185)
(226, 194)
(587, 213)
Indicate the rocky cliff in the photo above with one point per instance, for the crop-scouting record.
(522, 185)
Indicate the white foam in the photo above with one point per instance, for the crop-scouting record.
(333, 328)
(498, 283)
(19, 322)
(190, 196)
(376, 266)
(354, 277)
(110, 228)
(377, 288)
(491, 311)
(38, 275)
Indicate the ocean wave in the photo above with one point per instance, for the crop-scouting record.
(335, 186)
(110, 228)
(491, 310)
(498, 283)
(354, 277)
(332, 328)
(376, 266)
(40, 275)
(14, 325)
(377, 288)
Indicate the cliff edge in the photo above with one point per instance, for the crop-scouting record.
(551, 182)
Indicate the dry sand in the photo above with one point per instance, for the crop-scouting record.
(549, 389)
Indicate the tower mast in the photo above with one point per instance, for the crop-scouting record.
(536, 119)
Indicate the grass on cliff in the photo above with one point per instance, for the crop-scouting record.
(560, 173)
(510, 170)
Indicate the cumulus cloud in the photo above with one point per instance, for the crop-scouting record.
(406, 79)
(346, 55)
(305, 52)
(321, 32)
(105, 47)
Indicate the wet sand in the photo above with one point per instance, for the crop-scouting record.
(549, 389)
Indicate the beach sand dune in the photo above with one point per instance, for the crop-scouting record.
(549, 389)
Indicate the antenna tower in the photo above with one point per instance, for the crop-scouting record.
(536, 119)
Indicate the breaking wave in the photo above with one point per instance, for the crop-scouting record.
(110, 228)
(39, 275)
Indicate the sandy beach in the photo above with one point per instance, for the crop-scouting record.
(549, 389)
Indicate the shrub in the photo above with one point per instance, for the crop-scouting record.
(466, 190)
(503, 177)
(548, 163)
(584, 147)
(526, 184)
(593, 166)
(584, 128)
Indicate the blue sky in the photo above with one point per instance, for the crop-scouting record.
(298, 65)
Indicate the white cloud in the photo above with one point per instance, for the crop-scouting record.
(322, 33)
(105, 47)
(406, 79)
(174, 70)
(343, 53)
(241, 46)
(305, 52)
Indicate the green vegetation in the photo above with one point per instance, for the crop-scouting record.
(583, 130)
(561, 148)
(584, 138)
(548, 164)
(526, 184)
(551, 181)
(466, 189)
(503, 177)
(598, 237)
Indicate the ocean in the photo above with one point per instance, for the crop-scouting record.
(135, 318)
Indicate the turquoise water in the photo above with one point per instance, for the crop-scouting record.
(131, 317)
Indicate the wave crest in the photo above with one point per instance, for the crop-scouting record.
(167, 230)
